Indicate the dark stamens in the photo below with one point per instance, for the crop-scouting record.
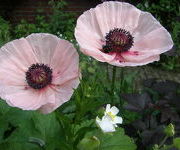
(39, 76)
(118, 40)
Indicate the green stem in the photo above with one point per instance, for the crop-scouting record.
(113, 80)
(122, 78)
(121, 85)
(167, 147)
(107, 72)
(163, 141)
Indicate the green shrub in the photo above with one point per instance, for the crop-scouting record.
(167, 12)
(4, 31)
(61, 21)
(24, 28)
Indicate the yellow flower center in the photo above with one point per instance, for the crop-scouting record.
(111, 115)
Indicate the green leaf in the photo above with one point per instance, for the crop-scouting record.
(3, 107)
(89, 143)
(19, 146)
(81, 129)
(33, 128)
(176, 143)
(113, 141)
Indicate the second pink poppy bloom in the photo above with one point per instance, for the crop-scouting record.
(122, 35)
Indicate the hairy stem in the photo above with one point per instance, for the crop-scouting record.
(113, 80)
(167, 147)
(121, 85)
(163, 141)
(107, 72)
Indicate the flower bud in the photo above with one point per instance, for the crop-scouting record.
(169, 130)
(89, 143)
(156, 147)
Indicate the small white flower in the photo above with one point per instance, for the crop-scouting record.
(111, 113)
(105, 124)
(110, 119)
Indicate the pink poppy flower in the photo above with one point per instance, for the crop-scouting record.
(39, 72)
(122, 35)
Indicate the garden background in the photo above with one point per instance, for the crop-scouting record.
(148, 97)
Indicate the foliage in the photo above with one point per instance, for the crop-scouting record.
(25, 28)
(4, 31)
(146, 115)
(157, 106)
(70, 124)
(64, 128)
(112, 141)
(22, 130)
(61, 21)
(176, 143)
(168, 13)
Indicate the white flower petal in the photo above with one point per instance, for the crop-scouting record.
(118, 120)
(98, 120)
(108, 108)
(114, 110)
(107, 117)
(106, 126)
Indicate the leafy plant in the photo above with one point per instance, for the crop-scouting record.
(157, 106)
(25, 28)
(168, 14)
(4, 31)
(61, 21)
(110, 141)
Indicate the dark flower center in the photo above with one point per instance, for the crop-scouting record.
(39, 76)
(118, 40)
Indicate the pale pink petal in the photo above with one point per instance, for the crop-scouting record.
(107, 16)
(135, 56)
(62, 94)
(100, 56)
(146, 24)
(15, 58)
(21, 97)
(43, 45)
(156, 42)
(91, 45)
(150, 38)
(19, 52)
(140, 63)
(112, 15)
(47, 108)
(65, 63)
(11, 74)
